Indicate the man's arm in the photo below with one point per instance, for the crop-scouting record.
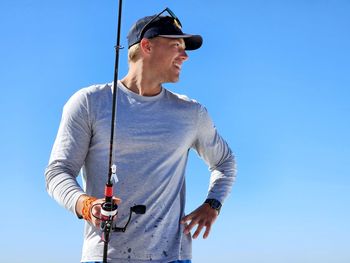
(69, 152)
(218, 156)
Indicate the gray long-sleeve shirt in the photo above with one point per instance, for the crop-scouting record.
(153, 136)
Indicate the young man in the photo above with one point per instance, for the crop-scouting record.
(155, 129)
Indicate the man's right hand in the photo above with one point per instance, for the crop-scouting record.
(96, 208)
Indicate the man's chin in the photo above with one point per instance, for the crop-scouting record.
(172, 80)
(175, 79)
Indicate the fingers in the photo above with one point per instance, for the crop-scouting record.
(198, 231)
(203, 217)
(193, 222)
(201, 225)
(96, 213)
(96, 210)
(117, 200)
(96, 222)
(207, 231)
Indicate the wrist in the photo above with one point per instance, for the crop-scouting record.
(86, 210)
(214, 204)
(80, 204)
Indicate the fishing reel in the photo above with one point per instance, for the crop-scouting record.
(109, 209)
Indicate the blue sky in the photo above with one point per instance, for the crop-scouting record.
(274, 76)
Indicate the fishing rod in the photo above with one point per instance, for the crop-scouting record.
(108, 208)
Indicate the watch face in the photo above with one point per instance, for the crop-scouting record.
(215, 204)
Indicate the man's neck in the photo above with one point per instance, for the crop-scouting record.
(139, 84)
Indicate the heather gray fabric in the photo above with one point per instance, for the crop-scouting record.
(152, 140)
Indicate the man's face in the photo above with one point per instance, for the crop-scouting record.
(167, 57)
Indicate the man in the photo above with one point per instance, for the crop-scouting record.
(155, 129)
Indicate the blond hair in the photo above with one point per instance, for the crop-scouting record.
(133, 53)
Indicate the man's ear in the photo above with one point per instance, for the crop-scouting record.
(145, 45)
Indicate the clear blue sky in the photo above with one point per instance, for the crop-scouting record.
(275, 77)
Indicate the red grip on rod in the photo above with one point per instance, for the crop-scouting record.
(109, 190)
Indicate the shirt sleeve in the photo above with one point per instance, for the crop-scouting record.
(216, 153)
(69, 152)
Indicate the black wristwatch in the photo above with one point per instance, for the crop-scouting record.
(215, 204)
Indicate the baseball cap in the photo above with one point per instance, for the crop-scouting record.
(163, 26)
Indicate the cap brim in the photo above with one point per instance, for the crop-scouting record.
(192, 42)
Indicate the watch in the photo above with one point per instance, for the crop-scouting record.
(215, 204)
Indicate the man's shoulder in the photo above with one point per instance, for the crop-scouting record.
(92, 92)
(95, 88)
(89, 95)
(181, 98)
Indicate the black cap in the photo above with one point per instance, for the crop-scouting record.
(163, 26)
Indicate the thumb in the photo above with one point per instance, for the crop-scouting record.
(117, 200)
(186, 218)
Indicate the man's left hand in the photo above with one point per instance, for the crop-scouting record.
(203, 216)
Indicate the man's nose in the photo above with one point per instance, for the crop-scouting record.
(184, 55)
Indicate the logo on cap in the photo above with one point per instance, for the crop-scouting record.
(177, 24)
